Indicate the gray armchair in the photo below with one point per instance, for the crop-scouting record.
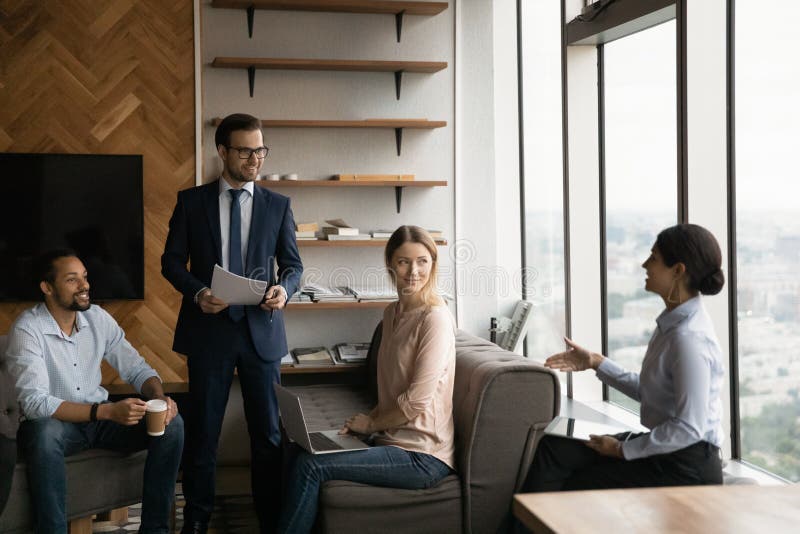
(502, 403)
(97, 480)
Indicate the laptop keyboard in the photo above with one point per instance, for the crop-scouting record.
(321, 442)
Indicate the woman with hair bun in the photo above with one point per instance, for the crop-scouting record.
(412, 424)
(678, 386)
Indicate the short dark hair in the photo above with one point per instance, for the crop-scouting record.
(699, 251)
(44, 269)
(232, 123)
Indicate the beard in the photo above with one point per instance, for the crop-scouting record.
(74, 305)
(237, 175)
(77, 307)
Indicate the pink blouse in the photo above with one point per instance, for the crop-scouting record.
(416, 367)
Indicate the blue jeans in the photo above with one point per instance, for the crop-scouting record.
(46, 442)
(391, 467)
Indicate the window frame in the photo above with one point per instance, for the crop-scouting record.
(565, 175)
(681, 163)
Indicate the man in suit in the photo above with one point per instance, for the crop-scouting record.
(246, 230)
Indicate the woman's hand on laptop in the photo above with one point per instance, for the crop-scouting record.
(358, 424)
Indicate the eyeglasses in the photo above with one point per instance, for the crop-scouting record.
(245, 153)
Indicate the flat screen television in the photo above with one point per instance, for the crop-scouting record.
(89, 203)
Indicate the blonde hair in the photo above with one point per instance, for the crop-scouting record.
(415, 234)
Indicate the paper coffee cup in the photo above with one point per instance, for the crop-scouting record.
(291, 176)
(273, 177)
(156, 417)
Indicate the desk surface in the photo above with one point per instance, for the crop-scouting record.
(687, 509)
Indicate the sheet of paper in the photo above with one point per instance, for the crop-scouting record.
(235, 289)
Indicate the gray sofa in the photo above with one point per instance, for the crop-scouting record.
(501, 403)
(97, 480)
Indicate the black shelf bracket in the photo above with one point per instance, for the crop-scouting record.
(398, 20)
(251, 78)
(398, 196)
(398, 82)
(251, 12)
(398, 137)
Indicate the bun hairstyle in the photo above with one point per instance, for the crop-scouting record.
(698, 250)
(415, 234)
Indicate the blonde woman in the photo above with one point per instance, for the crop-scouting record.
(412, 425)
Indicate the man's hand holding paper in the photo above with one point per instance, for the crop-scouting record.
(234, 289)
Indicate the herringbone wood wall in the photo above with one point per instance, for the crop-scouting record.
(108, 77)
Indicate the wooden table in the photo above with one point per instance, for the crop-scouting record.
(687, 509)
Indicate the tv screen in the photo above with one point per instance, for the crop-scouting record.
(89, 203)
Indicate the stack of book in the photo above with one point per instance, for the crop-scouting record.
(300, 297)
(436, 234)
(351, 352)
(374, 294)
(312, 356)
(373, 177)
(306, 231)
(320, 293)
(340, 230)
(381, 234)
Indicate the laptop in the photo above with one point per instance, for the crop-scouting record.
(580, 429)
(324, 442)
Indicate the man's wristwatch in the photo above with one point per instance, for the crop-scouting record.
(93, 412)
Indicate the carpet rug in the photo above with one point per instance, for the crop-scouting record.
(233, 514)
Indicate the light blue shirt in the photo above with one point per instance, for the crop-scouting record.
(679, 384)
(246, 209)
(50, 367)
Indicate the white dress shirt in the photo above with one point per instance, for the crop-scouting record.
(246, 207)
(679, 384)
(50, 367)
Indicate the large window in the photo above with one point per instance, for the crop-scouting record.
(543, 167)
(640, 156)
(767, 77)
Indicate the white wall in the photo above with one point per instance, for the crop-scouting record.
(487, 162)
(584, 210)
(318, 153)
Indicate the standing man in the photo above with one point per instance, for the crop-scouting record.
(54, 355)
(246, 230)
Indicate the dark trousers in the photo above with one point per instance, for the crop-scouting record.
(8, 459)
(47, 441)
(210, 376)
(562, 464)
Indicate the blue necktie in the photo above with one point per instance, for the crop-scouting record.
(236, 312)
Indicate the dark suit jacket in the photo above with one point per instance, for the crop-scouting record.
(194, 238)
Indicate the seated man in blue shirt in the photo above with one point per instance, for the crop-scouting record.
(54, 354)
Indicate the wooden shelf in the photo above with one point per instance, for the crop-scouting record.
(381, 7)
(398, 125)
(397, 184)
(391, 124)
(340, 368)
(336, 305)
(346, 183)
(352, 65)
(351, 243)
